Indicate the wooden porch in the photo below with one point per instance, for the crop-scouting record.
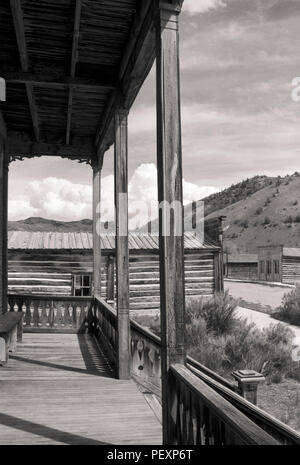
(61, 389)
(61, 386)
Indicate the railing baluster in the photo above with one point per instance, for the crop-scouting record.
(73, 315)
(48, 312)
(43, 314)
(35, 316)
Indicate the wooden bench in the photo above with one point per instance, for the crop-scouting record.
(11, 331)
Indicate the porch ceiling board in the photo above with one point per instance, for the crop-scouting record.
(66, 63)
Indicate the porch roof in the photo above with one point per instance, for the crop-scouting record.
(67, 65)
(21, 240)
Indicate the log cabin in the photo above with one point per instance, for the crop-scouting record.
(45, 263)
(241, 266)
(279, 264)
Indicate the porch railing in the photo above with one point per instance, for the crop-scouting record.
(51, 313)
(105, 326)
(200, 416)
(207, 408)
(275, 428)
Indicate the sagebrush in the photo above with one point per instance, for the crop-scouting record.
(223, 342)
(289, 310)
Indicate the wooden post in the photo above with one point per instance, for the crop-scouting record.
(110, 279)
(248, 381)
(221, 258)
(96, 227)
(122, 254)
(169, 167)
(3, 227)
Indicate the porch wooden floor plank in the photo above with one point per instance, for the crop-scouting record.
(59, 389)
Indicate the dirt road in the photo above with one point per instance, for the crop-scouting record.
(262, 320)
(257, 293)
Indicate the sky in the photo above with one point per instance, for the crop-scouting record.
(238, 60)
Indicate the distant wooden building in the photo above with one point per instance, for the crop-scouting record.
(279, 264)
(62, 264)
(241, 266)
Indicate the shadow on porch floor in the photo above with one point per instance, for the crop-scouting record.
(60, 389)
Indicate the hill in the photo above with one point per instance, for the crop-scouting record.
(269, 216)
(45, 225)
(231, 195)
(236, 192)
(259, 211)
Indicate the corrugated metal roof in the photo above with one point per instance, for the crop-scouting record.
(242, 258)
(84, 241)
(291, 252)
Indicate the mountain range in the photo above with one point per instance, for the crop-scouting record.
(259, 211)
(46, 225)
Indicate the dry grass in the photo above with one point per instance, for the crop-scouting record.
(282, 401)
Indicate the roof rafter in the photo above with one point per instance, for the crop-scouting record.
(74, 59)
(52, 81)
(18, 20)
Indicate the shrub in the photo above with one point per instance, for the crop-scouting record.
(294, 371)
(223, 342)
(246, 347)
(258, 211)
(244, 224)
(196, 329)
(276, 378)
(219, 312)
(290, 307)
(297, 219)
(267, 202)
(289, 219)
(266, 220)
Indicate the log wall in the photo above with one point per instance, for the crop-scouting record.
(144, 278)
(290, 270)
(51, 273)
(244, 271)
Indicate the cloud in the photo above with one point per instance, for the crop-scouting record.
(20, 209)
(63, 200)
(53, 198)
(144, 121)
(143, 194)
(202, 6)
